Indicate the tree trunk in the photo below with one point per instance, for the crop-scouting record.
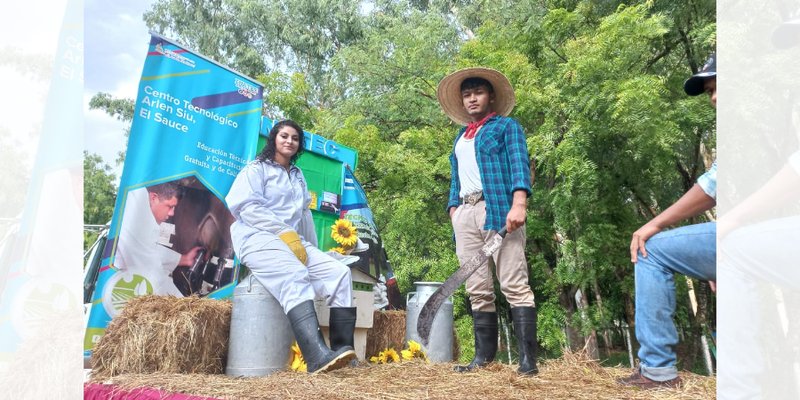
(692, 336)
(591, 340)
(605, 332)
(565, 298)
(574, 338)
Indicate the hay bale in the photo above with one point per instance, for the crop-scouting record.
(388, 330)
(165, 334)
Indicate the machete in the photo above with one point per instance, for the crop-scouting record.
(428, 312)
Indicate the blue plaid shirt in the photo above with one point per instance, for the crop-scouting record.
(502, 156)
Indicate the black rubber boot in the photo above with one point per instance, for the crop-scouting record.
(525, 328)
(342, 324)
(484, 324)
(319, 358)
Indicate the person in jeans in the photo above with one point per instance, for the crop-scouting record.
(689, 250)
(489, 189)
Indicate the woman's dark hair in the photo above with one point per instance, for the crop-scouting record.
(269, 149)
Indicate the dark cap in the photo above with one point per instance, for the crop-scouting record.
(694, 85)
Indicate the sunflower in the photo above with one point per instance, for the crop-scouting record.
(298, 363)
(380, 358)
(392, 353)
(340, 250)
(414, 350)
(344, 233)
(414, 346)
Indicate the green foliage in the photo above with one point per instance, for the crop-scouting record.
(466, 338)
(612, 137)
(552, 320)
(99, 193)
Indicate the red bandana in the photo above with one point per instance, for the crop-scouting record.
(472, 127)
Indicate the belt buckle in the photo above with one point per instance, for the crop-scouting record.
(473, 198)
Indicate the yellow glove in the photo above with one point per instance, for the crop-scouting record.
(292, 239)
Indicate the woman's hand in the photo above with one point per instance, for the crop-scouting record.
(292, 239)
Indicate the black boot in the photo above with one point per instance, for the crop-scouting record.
(525, 328)
(319, 358)
(342, 324)
(484, 324)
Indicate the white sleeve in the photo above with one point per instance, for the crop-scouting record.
(138, 234)
(247, 203)
(708, 181)
(307, 229)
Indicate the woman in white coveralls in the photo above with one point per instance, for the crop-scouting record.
(274, 236)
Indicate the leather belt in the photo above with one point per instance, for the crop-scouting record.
(472, 198)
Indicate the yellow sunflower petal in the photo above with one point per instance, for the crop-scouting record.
(407, 354)
(414, 346)
(296, 364)
(391, 353)
(344, 233)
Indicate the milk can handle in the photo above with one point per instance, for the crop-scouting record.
(250, 283)
(408, 296)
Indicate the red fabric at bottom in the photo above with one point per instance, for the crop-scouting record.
(97, 391)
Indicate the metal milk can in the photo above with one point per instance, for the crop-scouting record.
(440, 346)
(261, 336)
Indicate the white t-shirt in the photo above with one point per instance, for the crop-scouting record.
(468, 173)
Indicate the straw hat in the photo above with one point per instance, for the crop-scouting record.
(449, 93)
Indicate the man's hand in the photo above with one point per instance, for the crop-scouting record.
(452, 211)
(515, 217)
(694, 202)
(639, 237)
(190, 256)
(713, 285)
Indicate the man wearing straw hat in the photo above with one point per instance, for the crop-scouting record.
(489, 188)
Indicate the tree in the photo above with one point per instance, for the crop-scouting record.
(99, 193)
(267, 36)
(599, 92)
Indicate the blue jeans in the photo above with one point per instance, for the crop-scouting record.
(689, 250)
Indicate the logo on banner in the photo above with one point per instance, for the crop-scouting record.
(174, 56)
(246, 89)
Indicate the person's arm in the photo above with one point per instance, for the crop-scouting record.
(519, 207)
(188, 259)
(694, 202)
(307, 229)
(520, 168)
(247, 203)
(455, 185)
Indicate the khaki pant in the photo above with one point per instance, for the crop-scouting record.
(508, 262)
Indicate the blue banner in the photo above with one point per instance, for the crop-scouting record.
(195, 126)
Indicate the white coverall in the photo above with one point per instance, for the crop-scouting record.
(138, 251)
(266, 201)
